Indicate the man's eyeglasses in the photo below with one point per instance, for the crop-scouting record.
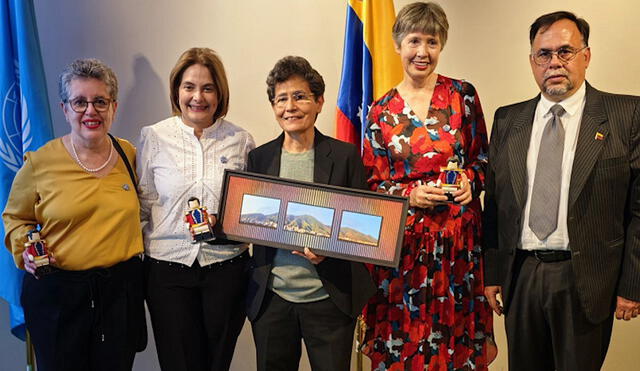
(565, 55)
(297, 97)
(80, 105)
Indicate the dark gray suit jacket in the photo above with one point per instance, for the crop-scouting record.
(603, 218)
(348, 284)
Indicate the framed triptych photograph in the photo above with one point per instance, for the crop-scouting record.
(333, 221)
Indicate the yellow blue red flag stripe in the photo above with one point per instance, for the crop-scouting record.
(370, 65)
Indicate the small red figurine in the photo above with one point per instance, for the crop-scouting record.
(37, 248)
(198, 219)
(450, 178)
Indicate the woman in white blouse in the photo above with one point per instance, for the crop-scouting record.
(195, 292)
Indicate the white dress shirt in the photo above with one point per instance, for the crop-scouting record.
(174, 165)
(574, 105)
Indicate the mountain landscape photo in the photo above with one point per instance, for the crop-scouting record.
(351, 235)
(360, 227)
(307, 224)
(269, 221)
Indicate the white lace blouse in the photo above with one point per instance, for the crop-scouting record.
(173, 165)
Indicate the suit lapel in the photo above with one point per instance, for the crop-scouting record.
(518, 148)
(588, 147)
(273, 168)
(322, 163)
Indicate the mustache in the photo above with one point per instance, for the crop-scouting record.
(555, 73)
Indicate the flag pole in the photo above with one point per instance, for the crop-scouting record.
(31, 362)
(361, 328)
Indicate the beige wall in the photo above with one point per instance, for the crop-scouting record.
(488, 45)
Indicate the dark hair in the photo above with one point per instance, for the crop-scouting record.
(427, 18)
(89, 68)
(193, 199)
(289, 67)
(545, 21)
(212, 62)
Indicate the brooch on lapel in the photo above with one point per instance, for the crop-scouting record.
(599, 136)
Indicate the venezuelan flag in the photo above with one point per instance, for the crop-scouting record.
(370, 65)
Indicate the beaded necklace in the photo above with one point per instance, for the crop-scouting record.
(95, 170)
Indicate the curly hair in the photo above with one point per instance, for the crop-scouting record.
(289, 67)
(88, 68)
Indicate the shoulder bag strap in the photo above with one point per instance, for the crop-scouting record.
(116, 145)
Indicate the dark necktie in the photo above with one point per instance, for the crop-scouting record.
(545, 199)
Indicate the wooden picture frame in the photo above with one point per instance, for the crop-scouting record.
(333, 221)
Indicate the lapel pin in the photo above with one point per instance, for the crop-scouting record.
(599, 136)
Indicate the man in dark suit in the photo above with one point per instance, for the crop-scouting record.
(562, 208)
(301, 295)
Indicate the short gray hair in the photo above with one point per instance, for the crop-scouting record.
(88, 68)
(427, 18)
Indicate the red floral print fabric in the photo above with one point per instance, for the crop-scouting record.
(430, 313)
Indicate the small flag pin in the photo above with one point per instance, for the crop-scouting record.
(599, 136)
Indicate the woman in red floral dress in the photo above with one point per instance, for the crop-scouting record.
(430, 313)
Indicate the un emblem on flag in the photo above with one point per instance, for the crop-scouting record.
(15, 121)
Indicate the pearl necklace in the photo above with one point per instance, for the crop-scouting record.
(75, 155)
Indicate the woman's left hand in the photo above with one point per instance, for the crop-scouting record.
(29, 262)
(464, 195)
(309, 255)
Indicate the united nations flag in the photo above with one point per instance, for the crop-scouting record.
(25, 123)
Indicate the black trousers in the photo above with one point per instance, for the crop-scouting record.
(545, 324)
(196, 312)
(281, 326)
(86, 320)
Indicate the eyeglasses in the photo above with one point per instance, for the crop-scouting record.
(565, 55)
(298, 97)
(80, 105)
